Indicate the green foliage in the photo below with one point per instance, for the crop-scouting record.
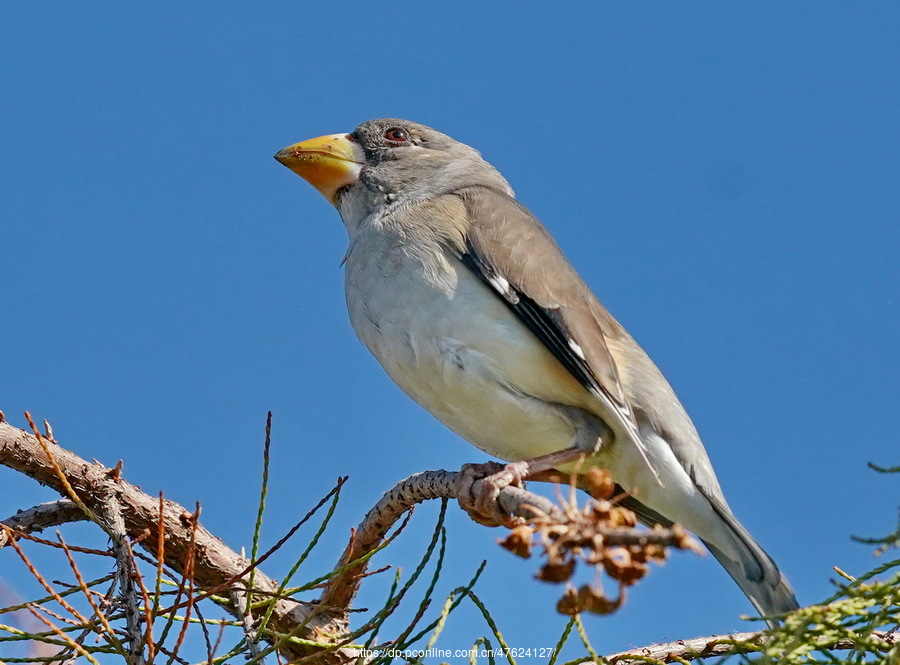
(858, 624)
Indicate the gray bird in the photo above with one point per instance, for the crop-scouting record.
(471, 308)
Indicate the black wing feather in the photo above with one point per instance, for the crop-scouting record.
(546, 324)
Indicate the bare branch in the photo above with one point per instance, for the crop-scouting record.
(115, 526)
(723, 645)
(392, 506)
(239, 600)
(698, 647)
(42, 516)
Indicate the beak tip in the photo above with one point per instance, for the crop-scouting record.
(328, 163)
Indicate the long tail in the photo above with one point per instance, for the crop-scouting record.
(754, 570)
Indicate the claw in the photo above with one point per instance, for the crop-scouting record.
(479, 485)
(477, 493)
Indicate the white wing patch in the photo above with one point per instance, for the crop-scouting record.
(576, 349)
(501, 285)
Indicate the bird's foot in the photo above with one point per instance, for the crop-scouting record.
(479, 485)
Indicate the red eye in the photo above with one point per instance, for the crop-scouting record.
(397, 135)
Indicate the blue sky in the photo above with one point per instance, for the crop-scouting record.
(725, 177)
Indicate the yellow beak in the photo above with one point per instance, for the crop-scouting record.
(327, 163)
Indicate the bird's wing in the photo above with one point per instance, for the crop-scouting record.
(508, 248)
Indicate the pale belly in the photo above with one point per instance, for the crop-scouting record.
(456, 349)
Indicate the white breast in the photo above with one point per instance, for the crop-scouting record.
(454, 347)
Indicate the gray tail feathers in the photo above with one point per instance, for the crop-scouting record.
(754, 571)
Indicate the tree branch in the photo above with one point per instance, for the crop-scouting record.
(698, 647)
(42, 516)
(214, 563)
(723, 645)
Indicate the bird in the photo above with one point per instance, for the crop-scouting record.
(472, 309)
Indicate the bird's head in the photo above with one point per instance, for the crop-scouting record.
(387, 161)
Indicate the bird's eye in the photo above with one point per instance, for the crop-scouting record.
(397, 135)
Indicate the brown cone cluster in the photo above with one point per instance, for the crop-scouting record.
(602, 534)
